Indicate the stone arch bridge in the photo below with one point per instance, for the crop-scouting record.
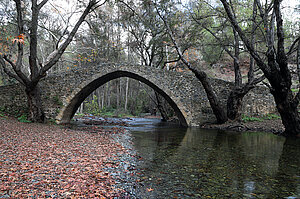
(63, 92)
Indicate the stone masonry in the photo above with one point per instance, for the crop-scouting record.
(63, 92)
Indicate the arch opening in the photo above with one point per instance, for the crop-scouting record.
(78, 97)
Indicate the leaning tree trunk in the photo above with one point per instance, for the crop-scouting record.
(215, 104)
(36, 112)
(160, 107)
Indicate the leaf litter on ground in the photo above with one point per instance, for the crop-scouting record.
(43, 161)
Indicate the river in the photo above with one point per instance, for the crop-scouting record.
(179, 162)
(197, 163)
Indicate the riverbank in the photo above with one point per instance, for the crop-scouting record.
(51, 161)
(269, 124)
(272, 126)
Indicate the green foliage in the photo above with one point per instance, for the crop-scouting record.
(270, 116)
(57, 100)
(79, 114)
(16, 111)
(295, 90)
(2, 111)
(23, 118)
(57, 110)
(211, 49)
(92, 107)
(123, 115)
(251, 119)
(52, 121)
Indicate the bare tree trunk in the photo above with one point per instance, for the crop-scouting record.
(81, 108)
(118, 92)
(103, 96)
(235, 101)
(160, 107)
(98, 98)
(108, 94)
(236, 61)
(235, 98)
(36, 112)
(126, 93)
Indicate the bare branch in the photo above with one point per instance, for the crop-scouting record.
(42, 4)
(258, 80)
(291, 50)
(267, 85)
(7, 71)
(171, 61)
(130, 8)
(62, 48)
(220, 42)
(242, 35)
(264, 16)
(66, 22)
(21, 77)
(97, 6)
(49, 31)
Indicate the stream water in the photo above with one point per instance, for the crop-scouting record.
(195, 163)
(176, 162)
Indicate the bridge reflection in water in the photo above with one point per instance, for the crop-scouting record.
(201, 163)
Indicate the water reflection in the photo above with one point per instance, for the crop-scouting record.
(190, 163)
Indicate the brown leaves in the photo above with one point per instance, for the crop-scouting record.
(19, 39)
(46, 161)
(149, 189)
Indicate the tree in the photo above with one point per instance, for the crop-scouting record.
(147, 31)
(275, 68)
(229, 39)
(201, 75)
(37, 69)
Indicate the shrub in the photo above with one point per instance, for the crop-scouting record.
(23, 118)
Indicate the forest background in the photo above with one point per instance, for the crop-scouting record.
(143, 32)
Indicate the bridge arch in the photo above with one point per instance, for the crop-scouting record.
(84, 89)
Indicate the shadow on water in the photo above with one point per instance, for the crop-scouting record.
(287, 178)
(197, 163)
